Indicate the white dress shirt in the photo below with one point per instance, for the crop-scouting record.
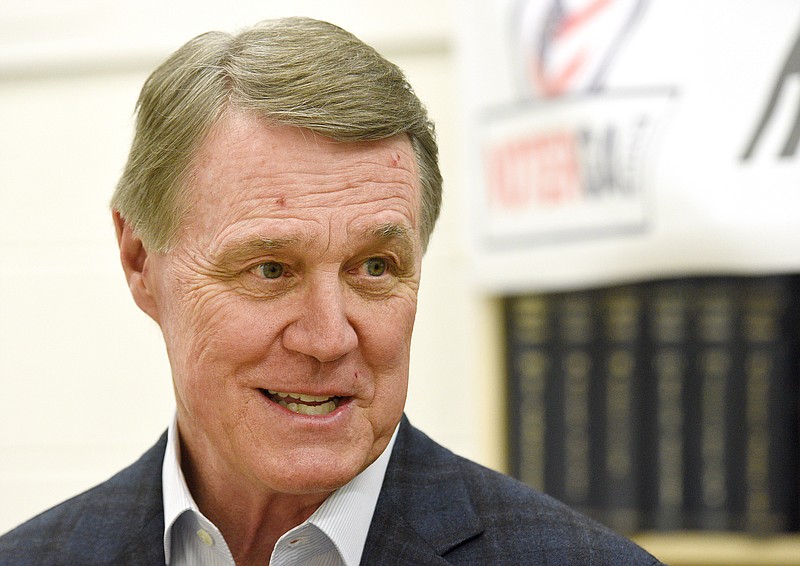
(334, 535)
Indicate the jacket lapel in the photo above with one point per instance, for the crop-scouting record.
(424, 509)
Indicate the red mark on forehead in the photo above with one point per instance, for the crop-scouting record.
(396, 159)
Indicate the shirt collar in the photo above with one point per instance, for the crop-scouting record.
(345, 516)
(177, 498)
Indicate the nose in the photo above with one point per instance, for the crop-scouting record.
(322, 328)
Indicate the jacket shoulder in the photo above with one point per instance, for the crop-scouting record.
(470, 514)
(516, 516)
(96, 526)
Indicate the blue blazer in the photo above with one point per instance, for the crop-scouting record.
(435, 508)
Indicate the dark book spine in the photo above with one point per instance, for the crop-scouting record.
(576, 368)
(529, 334)
(770, 464)
(715, 312)
(667, 330)
(622, 375)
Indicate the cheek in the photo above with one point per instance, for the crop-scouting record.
(214, 347)
(386, 344)
(385, 327)
(209, 331)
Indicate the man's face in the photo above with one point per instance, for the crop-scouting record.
(288, 302)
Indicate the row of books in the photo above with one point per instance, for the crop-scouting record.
(661, 405)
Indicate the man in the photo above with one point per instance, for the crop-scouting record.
(280, 192)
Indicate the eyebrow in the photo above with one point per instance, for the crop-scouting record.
(390, 232)
(393, 232)
(244, 250)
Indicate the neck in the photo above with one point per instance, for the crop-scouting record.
(251, 531)
(251, 517)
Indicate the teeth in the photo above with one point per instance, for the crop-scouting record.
(326, 403)
(313, 398)
(302, 409)
(301, 396)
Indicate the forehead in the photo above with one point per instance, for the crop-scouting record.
(249, 169)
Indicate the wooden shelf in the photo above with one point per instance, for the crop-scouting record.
(721, 549)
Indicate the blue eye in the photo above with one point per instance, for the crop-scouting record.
(270, 270)
(376, 266)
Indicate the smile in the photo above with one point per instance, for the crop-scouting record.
(302, 403)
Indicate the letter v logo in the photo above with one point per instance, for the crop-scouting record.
(787, 84)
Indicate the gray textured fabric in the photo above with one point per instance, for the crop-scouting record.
(438, 508)
(434, 508)
(120, 522)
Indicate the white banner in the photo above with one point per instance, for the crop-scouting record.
(617, 140)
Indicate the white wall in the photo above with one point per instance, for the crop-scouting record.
(83, 377)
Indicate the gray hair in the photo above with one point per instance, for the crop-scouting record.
(293, 71)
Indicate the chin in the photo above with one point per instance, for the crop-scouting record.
(309, 474)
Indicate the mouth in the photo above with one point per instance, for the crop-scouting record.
(302, 403)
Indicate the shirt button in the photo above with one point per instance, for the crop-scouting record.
(204, 537)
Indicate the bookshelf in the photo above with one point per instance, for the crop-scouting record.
(667, 408)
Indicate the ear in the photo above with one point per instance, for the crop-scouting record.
(135, 263)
